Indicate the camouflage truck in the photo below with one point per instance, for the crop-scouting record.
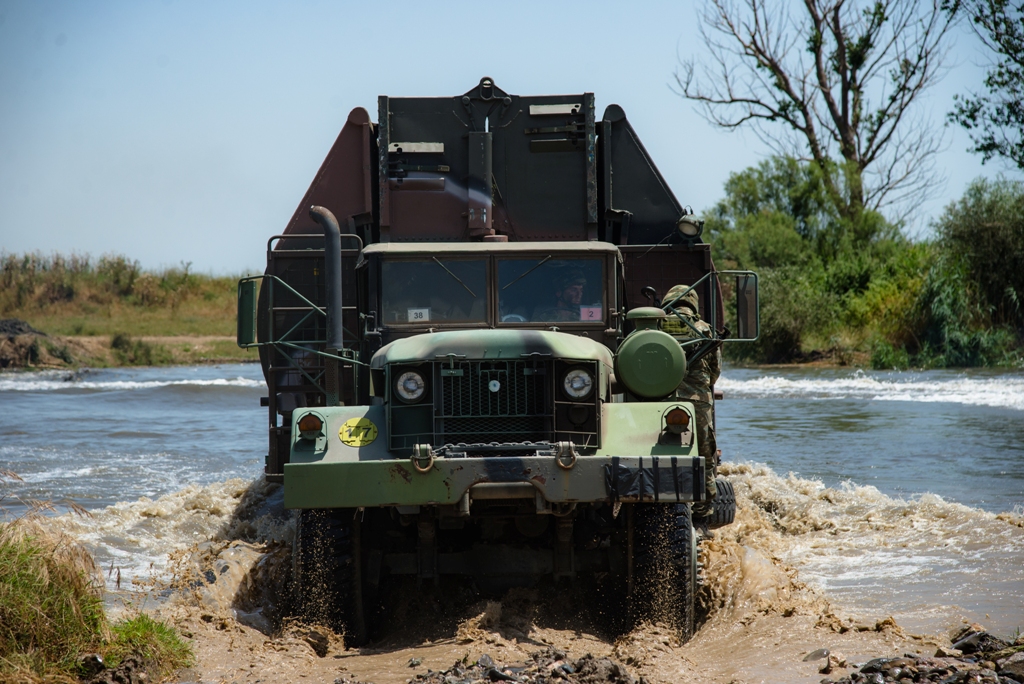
(459, 330)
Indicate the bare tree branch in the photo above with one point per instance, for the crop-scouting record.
(836, 82)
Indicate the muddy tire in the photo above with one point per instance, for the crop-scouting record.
(724, 512)
(665, 567)
(325, 578)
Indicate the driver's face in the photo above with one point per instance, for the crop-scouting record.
(572, 295)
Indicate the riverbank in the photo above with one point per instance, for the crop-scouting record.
(37, 351)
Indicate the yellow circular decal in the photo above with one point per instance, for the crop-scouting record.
(357, 432)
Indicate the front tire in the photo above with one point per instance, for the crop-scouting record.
(665, 566)
(325, 580)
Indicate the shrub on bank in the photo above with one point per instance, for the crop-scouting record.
(131, 352)
(831, 286)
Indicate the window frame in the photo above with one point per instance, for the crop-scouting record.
(610, 294)
(427, 325)
(606, 295)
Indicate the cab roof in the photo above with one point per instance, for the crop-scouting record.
(413, 248)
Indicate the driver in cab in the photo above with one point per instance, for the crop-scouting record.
(568, 298)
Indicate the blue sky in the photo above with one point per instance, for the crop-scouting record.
(176, 131)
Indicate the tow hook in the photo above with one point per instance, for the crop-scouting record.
(565, 455)
(423, 458)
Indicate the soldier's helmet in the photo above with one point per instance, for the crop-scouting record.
(573, 276)
(689, 300)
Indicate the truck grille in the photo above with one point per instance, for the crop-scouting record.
(492, 401)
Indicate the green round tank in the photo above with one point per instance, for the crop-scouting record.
(650, 363)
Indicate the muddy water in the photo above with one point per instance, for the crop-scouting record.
(863, 494)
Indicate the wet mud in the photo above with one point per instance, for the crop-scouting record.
(763, 611)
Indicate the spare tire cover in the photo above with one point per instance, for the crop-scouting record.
(650, 363)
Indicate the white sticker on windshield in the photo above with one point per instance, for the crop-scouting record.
(417, 315)
(590, 313)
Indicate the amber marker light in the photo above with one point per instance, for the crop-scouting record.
(677, 420)
(310, 426)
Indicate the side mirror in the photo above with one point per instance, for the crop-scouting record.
(748, 325)
(246, 331)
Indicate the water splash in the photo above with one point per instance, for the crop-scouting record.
(1004, 391)
(49, 381)
(925, 560)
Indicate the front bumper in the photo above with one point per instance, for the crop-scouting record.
(346, 469)
(398, 483)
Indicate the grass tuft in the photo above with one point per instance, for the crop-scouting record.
(154, 641)
(51, 611)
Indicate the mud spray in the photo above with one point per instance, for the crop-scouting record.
(804, 567)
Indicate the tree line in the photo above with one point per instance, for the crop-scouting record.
(833, 87)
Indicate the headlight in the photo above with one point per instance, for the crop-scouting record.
(578, 383)
(410, 386)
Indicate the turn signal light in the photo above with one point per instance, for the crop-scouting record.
(677, 420)
(310, 426)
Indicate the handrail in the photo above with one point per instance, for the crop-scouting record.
(313, 235)
(281, 341)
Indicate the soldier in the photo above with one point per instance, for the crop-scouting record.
(696, 387)
(568, 298)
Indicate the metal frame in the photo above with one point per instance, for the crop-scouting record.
(282, 342)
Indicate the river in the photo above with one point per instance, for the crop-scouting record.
(896, 493)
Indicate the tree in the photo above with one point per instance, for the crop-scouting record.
(834, 84)
(778, 213)
(996, 120)
(984, 231)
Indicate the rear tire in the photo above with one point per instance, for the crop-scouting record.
(325, 578)
(724, 512)
(665, 567)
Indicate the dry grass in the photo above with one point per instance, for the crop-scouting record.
(51, 607)
(80, 295)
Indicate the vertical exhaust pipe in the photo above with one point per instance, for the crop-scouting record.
(332, 274)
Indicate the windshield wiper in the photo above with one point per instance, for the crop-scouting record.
(539, 264)
(455, 276)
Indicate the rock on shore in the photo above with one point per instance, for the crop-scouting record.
(976, 657)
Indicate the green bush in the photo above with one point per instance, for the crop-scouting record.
(887, 356)
(983, 234)
(793, 306)
(839, 284)
(131, 352)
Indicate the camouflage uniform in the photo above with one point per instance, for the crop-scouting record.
(696, 387)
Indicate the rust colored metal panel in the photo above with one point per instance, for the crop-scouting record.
(344, 182)
(667, 265)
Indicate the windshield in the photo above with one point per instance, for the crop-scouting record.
(433, 290)
(546, 289)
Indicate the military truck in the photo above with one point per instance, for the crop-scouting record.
(459, 330)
